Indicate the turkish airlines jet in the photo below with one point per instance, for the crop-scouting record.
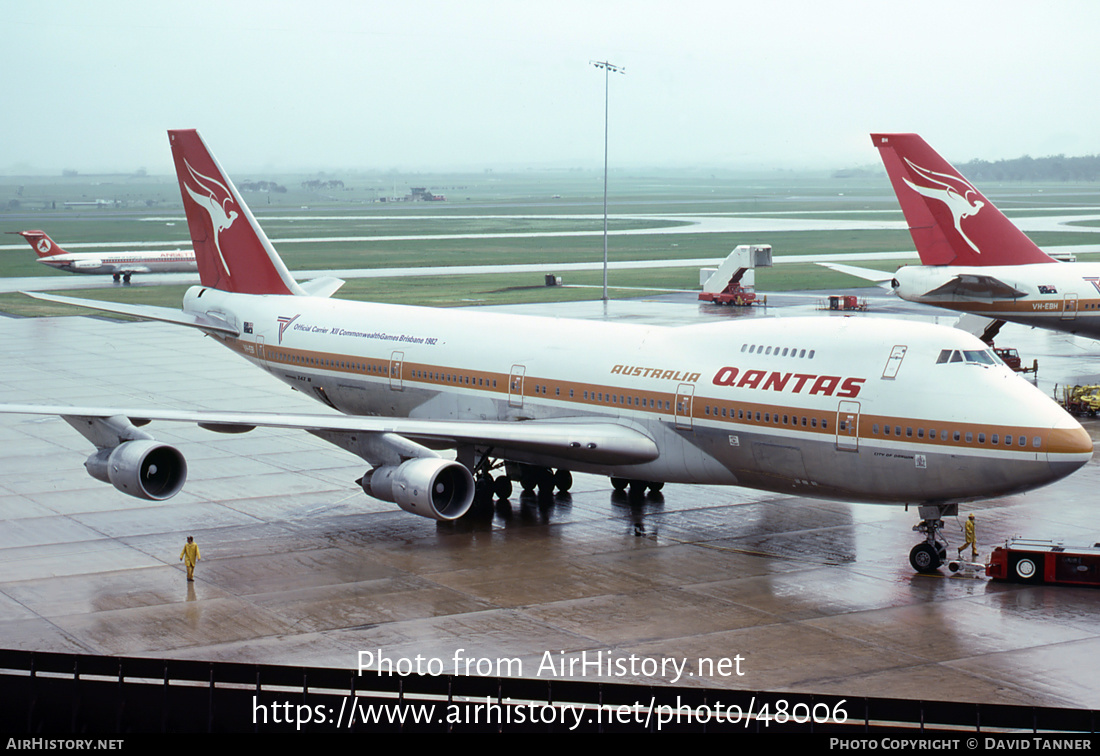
(120, 265)
(974, 259)
(853, 409)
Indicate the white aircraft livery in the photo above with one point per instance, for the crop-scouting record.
(120, 265)
(974, 259)
(854, 409)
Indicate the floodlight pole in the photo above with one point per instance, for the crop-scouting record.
(608, 69)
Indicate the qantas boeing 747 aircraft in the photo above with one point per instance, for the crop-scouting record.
(854, 409)
(974, 259)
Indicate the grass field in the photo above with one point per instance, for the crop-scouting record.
(344, 228)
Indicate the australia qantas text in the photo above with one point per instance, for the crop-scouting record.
(856, 409)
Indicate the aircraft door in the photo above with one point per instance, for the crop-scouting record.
(685, 395)
(893, 363)
(847, 426)
(260, 348)
(515, 386)
(397, 361)
(1069, 307)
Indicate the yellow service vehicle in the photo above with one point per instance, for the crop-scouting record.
(1080, 400)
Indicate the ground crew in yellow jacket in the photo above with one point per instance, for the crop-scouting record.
(971, 540)
(189, 556)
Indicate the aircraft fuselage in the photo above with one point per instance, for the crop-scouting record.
(814, 407)
(116, 263)
(1059, 296)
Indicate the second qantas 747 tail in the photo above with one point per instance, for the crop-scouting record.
(232, 251)
(951, 222)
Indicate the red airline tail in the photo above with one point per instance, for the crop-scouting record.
(43, 245)
(232, 251)
(951, 222)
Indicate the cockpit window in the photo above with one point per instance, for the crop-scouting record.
(972, 356)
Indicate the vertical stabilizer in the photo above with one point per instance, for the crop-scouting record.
(232, 251)
(43, 245)
(951, 222)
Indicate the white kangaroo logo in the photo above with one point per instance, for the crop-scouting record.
(208, 200)
(952, 191)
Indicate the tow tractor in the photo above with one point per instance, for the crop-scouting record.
(733, 282)
(1026, 560)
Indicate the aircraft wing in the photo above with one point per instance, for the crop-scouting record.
(879, 277)
(146, 312)
(582, 439)
(969, 285)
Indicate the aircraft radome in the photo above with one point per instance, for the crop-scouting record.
(120, 265)
(974, 259)
(857, 410)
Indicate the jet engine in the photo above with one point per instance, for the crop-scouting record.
(142, 468)
(426, 486)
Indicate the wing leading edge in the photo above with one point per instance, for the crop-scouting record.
(581, 440)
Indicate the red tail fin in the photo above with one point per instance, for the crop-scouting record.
(951, 222)
(232, 251)
(43, 245)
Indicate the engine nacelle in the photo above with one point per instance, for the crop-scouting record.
(426, 486)
(145, 469)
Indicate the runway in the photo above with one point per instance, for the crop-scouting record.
(299, 567)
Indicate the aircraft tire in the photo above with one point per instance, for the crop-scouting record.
(483, 489)
(563, 480)
(502, 487)
(924, 558)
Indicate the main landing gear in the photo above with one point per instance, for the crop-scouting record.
(124, 276)
(530, 478)
(928, 555)
(637, 487)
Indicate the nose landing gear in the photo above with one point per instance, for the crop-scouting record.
(927, 556)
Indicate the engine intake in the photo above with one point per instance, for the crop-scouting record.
(427, 486)
(145, 469)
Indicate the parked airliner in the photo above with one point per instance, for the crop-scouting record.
(120, 265)
(856, 409)
(974, 259)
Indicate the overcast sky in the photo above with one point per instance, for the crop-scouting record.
(475, 84)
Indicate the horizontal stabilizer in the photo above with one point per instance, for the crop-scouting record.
(879, 277)
(984, 287)
(145, 312)
(324, 286)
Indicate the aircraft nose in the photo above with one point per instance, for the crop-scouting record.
(1070, 448)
